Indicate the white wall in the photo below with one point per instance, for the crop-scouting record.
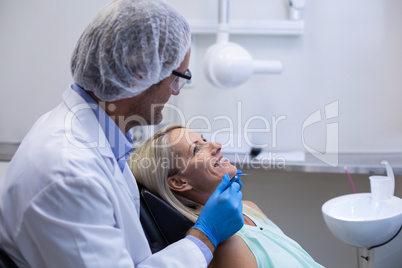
(350, 53)
(36, 42)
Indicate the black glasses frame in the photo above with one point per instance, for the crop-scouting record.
(183, 75)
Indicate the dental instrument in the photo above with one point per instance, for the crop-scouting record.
(243, 174)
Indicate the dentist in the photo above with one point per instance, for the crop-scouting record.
(68, 198)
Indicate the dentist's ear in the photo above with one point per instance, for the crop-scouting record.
(178, 184)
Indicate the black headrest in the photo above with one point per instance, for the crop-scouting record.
(170, 222)
(5, 260)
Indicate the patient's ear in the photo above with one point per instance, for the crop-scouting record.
(178, 184)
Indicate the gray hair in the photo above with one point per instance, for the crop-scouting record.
(129, 46)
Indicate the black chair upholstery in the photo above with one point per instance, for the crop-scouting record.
(154, 235)
(162, 223)
(6, 261)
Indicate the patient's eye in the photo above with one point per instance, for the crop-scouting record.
(197, 148)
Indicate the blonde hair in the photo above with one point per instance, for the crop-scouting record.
(153, 162)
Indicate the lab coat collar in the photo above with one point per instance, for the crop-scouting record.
(93, 136)
(80, 110)
(121, 144)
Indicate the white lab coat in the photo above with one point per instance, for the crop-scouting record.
(64, 202)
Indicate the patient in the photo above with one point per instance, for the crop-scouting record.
(181, 167)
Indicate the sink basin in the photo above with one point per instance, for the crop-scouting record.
(357, 220)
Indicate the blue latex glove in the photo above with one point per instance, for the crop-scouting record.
(222, 215)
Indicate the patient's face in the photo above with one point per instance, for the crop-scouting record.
(201, 162)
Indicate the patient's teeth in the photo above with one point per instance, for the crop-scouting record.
(220, 162)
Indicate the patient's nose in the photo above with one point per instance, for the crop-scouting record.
(215, 147)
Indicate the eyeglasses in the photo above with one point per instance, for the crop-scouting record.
(180, 80)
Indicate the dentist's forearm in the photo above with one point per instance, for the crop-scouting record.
(202, 237)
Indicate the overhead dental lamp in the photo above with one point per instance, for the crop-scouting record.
(227, 64)
(296, 8)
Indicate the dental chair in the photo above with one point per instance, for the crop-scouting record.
(163, 224)
(6, 261)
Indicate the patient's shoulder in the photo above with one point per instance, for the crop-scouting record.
(233, 253)
(252, 205)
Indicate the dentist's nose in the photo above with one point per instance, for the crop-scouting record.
(175, 92)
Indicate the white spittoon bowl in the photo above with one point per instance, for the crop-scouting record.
(357, 220)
